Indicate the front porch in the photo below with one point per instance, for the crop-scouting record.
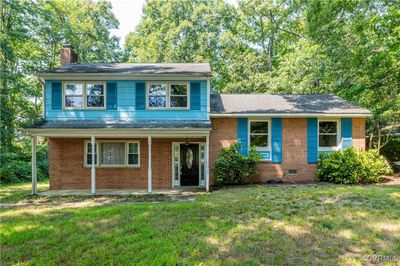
(184, 191)
(125, 162)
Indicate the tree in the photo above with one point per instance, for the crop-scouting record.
(32, 33)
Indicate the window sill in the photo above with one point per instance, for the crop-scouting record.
(84, 109)
(167, 109)
(113, 166)
(328, 149)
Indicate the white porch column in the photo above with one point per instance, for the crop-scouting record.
(93, 183)
(149, 178)
(207, 163)
(34, 171)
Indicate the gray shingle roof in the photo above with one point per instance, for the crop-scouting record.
(193, 69)
(135, 124)
(282, 104)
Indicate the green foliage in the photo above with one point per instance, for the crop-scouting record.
(231, 167)
(16, 165)
(32, 33)
(348, 48)
(353, 166)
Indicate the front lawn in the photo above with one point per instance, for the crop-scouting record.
(285, 225)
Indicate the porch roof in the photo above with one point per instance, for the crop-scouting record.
(118, 124)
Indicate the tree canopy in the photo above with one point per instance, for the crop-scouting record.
(348, 48)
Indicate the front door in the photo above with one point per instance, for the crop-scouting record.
(189, 164)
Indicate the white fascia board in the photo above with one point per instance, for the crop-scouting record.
(118, 133)
(116, 76)
(288, 115)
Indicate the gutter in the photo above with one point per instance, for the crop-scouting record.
(296, 115)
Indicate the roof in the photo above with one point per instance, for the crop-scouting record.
(134, 124)
(192, 69)
(283, 104)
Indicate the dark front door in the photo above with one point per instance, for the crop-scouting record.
(189, 164)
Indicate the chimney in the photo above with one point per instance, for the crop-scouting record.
(68, 55)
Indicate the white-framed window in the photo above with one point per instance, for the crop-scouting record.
(95, 92)
(167, 95)
(113, 153)
(73, 95)
(133, 153)
(84, 95)
(328, 134)
(89, 152)
(259, 134)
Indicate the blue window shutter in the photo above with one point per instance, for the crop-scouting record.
(140, 96)
(276, 140)
(112, 96)
(242, 133)
(312, 140)
(347, 133)
(195, 96)
(56, 95)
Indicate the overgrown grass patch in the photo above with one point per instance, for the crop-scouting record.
(284, 225)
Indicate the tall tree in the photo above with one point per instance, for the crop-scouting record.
(32, 33)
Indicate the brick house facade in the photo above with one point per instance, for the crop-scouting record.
(158, 126)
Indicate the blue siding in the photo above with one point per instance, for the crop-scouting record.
(312, 140)
(56, 95)
(276, 140)
(111, 96)
(140, 96)
(195, 96)
(347, 133)
(242, 133)
(126, 107)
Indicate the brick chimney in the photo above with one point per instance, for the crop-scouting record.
(68, 55)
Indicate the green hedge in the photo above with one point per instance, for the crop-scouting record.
(352, 166)
(231, 167)
(16, 165)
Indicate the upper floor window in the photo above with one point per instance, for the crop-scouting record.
(168, 95)
(84, 95)
(259, 134)
(328, 134)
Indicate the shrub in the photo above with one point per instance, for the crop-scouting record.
(231, 167)
(16, 164)
(352, 166)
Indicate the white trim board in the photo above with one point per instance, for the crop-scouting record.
(116, 76)
(299, 115)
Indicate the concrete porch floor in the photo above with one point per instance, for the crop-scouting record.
(122, 192)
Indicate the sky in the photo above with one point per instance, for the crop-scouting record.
(128, 13)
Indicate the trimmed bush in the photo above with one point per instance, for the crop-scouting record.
(352, 166)
(232, 168)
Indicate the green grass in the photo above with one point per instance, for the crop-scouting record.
(18, 192)
(283, 225)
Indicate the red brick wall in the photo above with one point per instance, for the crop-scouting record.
(223, 134)
(67, 171)
(294, 155)
(359, 133)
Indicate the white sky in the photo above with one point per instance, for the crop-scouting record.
(129, 13)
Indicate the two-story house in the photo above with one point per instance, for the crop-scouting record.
(157, 126)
